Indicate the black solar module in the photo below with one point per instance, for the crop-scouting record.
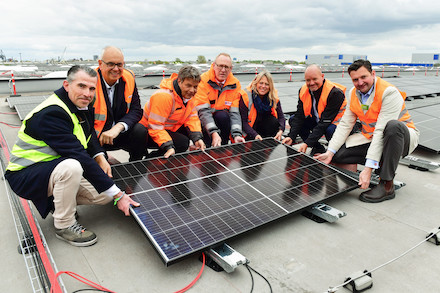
(427, 121)
(195, 200)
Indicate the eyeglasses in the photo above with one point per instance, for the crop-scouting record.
(112, 65)
(223, 67)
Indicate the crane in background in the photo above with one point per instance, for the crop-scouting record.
(2, 56)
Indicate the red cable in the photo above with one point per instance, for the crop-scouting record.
(196, 279)
(10, 125)
(82, 279)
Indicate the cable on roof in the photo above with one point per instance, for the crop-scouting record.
(336, 288)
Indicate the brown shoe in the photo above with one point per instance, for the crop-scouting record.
(382, 191)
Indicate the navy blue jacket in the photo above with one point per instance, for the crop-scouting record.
(54, 126)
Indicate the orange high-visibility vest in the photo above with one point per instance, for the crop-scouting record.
(228, 97)
(369, 119)
(165, 110)
(100, 104)
(252, 111)
(306, 99)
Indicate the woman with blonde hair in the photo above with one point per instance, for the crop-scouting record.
(260, 109)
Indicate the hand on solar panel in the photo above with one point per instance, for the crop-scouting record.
(302, 148)
(287, 141)
(125, 202)
(200, 145)
(258, 137)
(279, 135)
(325, 157)
(216, 140)
(365, 177)
(169, 153)
(239, 139)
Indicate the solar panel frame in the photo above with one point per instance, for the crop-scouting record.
(197, 200)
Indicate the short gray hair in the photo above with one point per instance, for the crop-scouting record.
(189, 71)
(107, 48)
(71, 74)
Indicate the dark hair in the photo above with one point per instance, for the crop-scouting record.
(76, 68)
(189, 71)
(358, 64)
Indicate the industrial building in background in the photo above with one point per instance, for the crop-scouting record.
(333, 59)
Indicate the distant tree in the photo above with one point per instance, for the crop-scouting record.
(201, 59)
(178, 60)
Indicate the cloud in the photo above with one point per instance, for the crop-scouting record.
(386, 30)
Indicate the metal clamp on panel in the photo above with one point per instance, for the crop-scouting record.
(359, 281)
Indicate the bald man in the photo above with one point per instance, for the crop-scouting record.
(117, 106)
(321, 105)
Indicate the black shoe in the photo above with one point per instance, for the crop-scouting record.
(382, 191)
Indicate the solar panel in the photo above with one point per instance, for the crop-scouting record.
(12, 101)
(24, 109)
(196, 200)
(427, 121)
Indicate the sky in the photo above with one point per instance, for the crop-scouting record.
(385, 31)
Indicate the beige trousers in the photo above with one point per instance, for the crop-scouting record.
(70, 189)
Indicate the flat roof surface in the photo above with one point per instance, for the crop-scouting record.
(295, 254)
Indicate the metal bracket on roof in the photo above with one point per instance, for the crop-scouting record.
(419, 164)
(434, 236)
(359, 281)
(326, 212)
(225, 257)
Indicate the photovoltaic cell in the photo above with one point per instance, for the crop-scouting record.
(427, 121)
(196, 200)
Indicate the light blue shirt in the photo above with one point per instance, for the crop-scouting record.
(110, 94)
(364, 97)
(368, 162)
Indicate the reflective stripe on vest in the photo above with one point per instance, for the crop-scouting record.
(28, 151)
(369, 119)
(306, 99)
(100, 104)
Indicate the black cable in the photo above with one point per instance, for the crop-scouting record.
(252, 277)
(270, 287)
(91, 289)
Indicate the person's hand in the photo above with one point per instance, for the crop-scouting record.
(108, 136)
(239, 139)
(287, 141)
(278, 135)
(365, 177)
(216, 140)
(302, 148)
(200, 145)
(326, 157)
(169, 153)
(258, 137)
(125, 202)
(105, 166)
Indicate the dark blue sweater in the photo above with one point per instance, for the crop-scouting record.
(54, 126)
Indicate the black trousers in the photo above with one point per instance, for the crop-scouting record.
(180, 140)
(267, 126)
(223, 122)
(395, 145)
(133, 141)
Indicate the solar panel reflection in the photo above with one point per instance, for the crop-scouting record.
(195, 200)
